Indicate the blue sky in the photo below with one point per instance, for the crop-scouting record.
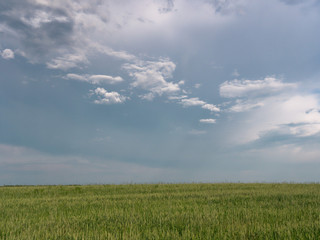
(159, 91)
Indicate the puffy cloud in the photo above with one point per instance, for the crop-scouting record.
(209, 120)
(242, 88)
(105, 97)
(152, 76)
(68, 34)
(211, 107)
(7, 54)
(95, 79)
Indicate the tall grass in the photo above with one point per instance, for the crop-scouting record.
(161, 211)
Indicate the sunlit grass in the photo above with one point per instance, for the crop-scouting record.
(161, 211)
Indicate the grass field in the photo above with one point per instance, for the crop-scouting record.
(161, 211)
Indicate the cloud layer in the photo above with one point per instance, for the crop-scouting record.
(273, 106)
(151, 85)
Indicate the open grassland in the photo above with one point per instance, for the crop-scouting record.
(161, 211)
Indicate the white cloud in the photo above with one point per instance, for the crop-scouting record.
(149, 96)
(123, 55)
(211, 107)
(271, 106)
(242, 88)
(73, 76)
(189, 102)
(41, 17)
(209, 120)
(7, 54)
(87, 31)
(105, 97)
(152, 76)
(177, 97)
(287, 114)
(67, 61)
(95, 79)
(305, 130)
(245, 105)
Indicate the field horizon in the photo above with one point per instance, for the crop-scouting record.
(161, 183)
(161, 211)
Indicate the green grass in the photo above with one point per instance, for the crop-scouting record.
(161, 211)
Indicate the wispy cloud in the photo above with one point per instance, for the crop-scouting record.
(67, 61)
(197, 85)
(209, 120)
(242, 88)
(177, 97)
(95, 79)
(189, 102)
(123, 55)
(196, 132)
(241, 105)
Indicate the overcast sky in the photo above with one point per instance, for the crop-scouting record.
(98, 91)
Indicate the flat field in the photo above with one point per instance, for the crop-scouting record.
(161, 211)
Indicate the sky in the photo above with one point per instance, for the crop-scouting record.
(119, 91)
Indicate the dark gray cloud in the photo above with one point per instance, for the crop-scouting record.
(168, 6)
(310, 3)
(41, 29)
(292, 2)
(225, 6)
